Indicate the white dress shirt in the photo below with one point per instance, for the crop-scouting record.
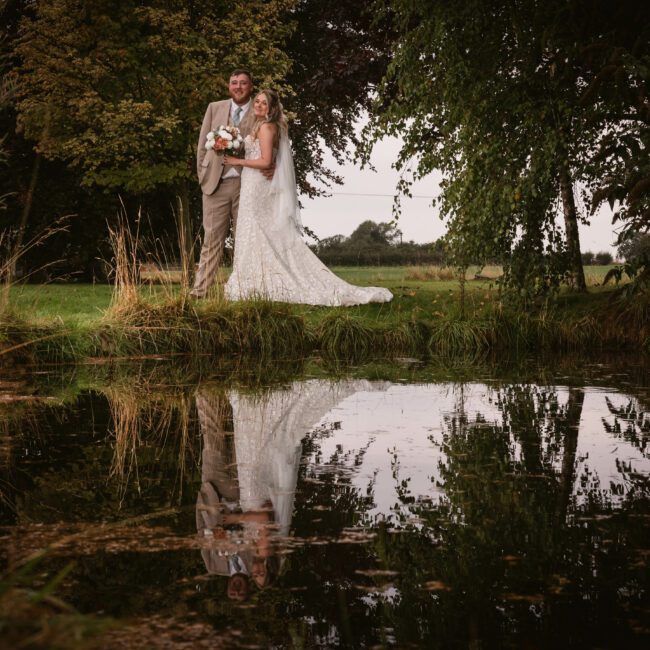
(233, 172)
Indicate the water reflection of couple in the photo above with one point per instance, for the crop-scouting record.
(251, 455)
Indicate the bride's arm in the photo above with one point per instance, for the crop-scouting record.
(265, 161)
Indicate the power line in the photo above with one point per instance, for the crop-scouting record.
(415, 196)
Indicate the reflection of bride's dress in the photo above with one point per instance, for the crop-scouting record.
(274, 262)
(268, 433)
(256, 463)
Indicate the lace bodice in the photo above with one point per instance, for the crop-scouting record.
(252, 148)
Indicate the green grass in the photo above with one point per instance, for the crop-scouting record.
(75, 304)
(85, 304)
(425, 316)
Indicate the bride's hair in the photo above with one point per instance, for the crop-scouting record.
(275, 115)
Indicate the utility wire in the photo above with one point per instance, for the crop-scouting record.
(415, 196)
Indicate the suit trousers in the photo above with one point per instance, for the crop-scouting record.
(219, 213)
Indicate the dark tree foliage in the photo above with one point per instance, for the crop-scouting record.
(112, 95)
(339, 56)
(636, 248)
(602, 258)
(518, 102)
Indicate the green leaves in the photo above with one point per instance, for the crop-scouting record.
(125, 88)
(495, 98)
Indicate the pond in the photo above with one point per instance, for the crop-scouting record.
(412, 504)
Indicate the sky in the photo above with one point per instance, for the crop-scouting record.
(369, 195)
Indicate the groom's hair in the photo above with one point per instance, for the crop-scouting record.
(238, 71)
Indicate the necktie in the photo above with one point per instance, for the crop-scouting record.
(237, 117)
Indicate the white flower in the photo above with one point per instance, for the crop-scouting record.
(225, 135)
(210, 135)
(209, 145)
(236, 144)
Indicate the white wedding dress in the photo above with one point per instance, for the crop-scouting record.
(272, 261)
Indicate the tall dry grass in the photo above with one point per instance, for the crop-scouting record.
(11, 252)
(153, 419)
(431, 273)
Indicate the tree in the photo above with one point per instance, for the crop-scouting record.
(118, 88)
(370, 233)
(339, 54)
(618, 67)
(494, 97)
(636, 248)
(587, 258)
(378, 244)
(124, 85)
(603, 258)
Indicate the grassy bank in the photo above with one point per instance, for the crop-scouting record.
(67, 322)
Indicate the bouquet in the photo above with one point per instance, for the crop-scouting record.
(226, 140)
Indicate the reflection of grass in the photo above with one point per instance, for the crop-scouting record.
(425, 316)
(35, 618)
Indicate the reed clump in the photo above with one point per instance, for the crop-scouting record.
(406, 337)
(449, 336)
(36, 618)
(24, 341)
(340, 334)
(428, 273)
(177, 325)
(627, 319)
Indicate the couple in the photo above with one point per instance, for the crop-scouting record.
(258, 195)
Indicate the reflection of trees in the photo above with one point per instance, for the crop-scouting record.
(504, 552)
(506, 556)
(631, 422)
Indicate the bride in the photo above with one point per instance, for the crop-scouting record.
(271, 259)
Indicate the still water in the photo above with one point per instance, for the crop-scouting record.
(392, 506)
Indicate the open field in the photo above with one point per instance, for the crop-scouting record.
(427, 315)
(413, 287)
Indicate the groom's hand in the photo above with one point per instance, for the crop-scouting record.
(268, 173)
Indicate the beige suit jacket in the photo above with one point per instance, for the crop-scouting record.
(209, 164)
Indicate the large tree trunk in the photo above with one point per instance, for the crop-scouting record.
(24, 218)
(571, 427)
(577, 274)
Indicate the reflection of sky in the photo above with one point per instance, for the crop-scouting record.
(408, 420)
(599, 451)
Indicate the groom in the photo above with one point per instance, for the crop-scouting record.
(220, 183)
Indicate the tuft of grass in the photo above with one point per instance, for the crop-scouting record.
(406, 337)
(270, 329)
(24, 341)
(35, 618)
(176, 325)
(449, 337)
(344, 336)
